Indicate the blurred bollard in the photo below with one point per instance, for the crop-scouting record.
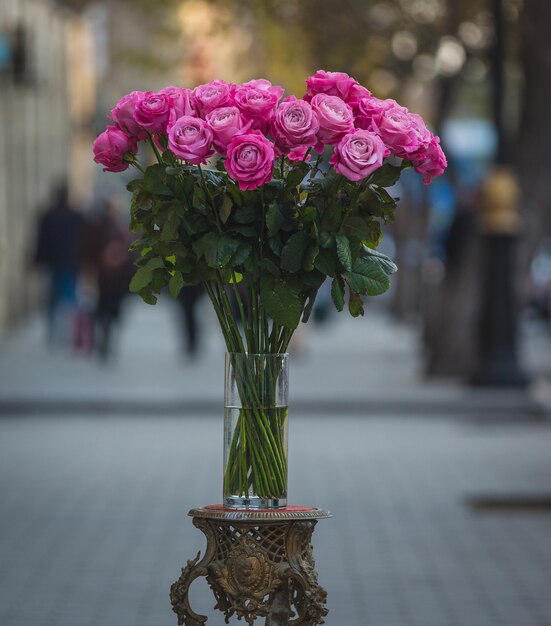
(499, 224)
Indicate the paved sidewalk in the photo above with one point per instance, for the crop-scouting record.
(370, 365)
(93, 528)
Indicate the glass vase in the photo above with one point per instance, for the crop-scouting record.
(255, 430)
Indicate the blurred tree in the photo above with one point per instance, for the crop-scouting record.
(410, 49)
(435, 56)
(534, 139)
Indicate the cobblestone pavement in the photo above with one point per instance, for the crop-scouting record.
(93, 528)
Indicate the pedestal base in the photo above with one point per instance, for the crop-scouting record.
(258, 563)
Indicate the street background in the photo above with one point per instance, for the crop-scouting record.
(423, 426)
(97, 479)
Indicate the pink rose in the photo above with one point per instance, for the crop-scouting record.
(250, 160)
(358, 154)
(190, 138)
(262, 83)
(294, 125)
(335, 117)
(123, 115)
(422, 135)
(430, 161)
(111, 147)
(398, 130)
(152, 112)
(225, 123)
(257, 101)
(369, 111)
(299, 154)
(212, 95)
(356, 93)
(331, 83)
(180, 102)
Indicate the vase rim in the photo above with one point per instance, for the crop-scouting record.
(259, 353)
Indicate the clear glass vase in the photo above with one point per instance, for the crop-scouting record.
(255, 430)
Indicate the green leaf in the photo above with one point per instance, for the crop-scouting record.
(275, 245)
(282, 302)
(328, 184)
(250, 266)
(387, 265)
(246, 231)
(216, 250)
(294, 177)
(154, 180)
(195, 224)
(188, 183)
(212, 176)
(309, 214)
(384, 197)
(140, 206)
(169, 231)
(355, 305)
(326, 261)
(154, 264)
(141, 279)
(184, 265)
(178, 248)
(235, 194)
(337, 293)
(358, 227)
(200, 200)
(375, 235)
(326, 239)
(312, 252)
(377, 202)
(270, 266)
(274, 219)
(313, 279)
(386, 176)
(139, 244)
(225, 209)
(367, 277)
(343, 252)
(246, 214)
(332, 217)
(172, 171)
(175, 284)
(242, 253)
(275, 183)
(148, 297)
(294, 251)
(135, 184)
(158, 281)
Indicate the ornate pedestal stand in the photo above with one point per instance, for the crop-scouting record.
(258, 563)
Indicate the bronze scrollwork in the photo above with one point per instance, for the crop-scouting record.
(259, 564)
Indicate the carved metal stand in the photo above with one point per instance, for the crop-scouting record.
(258, 564)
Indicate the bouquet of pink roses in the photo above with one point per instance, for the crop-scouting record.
(240, 192)
(265, 210)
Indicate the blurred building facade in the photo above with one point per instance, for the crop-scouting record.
(47, 100)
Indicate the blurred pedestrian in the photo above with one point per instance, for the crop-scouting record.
(58, 238)
(451, 343)
(108, 263)
(323, 306)
(188, 299)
